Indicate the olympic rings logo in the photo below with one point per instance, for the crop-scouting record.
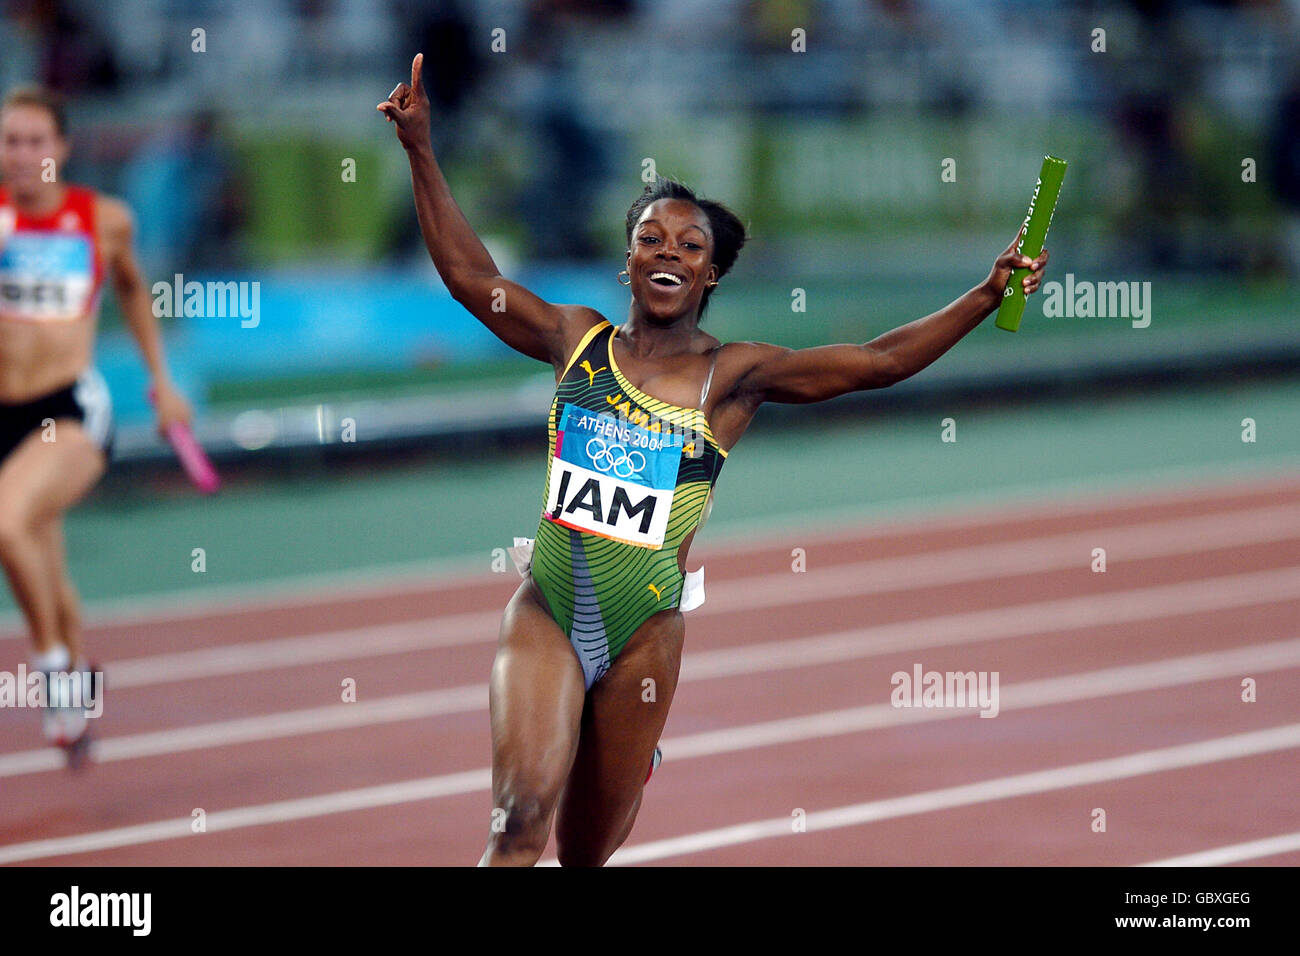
(614, 458)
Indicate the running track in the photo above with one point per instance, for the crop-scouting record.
(1120, 691)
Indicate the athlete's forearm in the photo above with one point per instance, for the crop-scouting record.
(912, 347)
(455, 248)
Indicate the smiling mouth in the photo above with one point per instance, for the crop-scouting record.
(666, 279)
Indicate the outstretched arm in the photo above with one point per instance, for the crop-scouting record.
(816, 374)
(519, 318)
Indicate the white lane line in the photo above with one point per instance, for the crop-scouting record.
(1202, 752)
(1086, 685)
(278, 594)
(1019, 620)
(264, 727)
(922, 514)
(389, 794)
(1057, 552)
(1236, 853)
(1109, 682)
(358, 643)
(949, 630)
(881, 575)
(1071, 497)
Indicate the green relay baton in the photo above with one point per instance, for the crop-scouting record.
(1041, 206)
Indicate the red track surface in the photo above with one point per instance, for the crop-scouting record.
(1131, 615)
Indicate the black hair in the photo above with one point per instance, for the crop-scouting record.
(728, 230)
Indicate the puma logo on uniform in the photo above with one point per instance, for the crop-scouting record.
(591, 373)
(658, 592)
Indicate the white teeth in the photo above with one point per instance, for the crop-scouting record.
(665, 275)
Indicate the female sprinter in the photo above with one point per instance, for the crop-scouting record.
(57, 241)
(643, 418)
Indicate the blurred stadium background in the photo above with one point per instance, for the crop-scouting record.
(234, 161)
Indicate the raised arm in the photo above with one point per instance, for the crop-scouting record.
(513, 314)
(797, 376)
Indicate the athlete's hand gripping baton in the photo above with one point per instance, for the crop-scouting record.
(191, 455)
(1041, 206)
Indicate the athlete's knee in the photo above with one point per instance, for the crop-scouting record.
(589, 849)
(16, 528)
(521, 825)
(581, 853)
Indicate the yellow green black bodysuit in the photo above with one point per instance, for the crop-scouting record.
(628, 477)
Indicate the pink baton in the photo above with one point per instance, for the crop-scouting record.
(190, 452)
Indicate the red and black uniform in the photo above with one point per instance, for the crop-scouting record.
(52, 271)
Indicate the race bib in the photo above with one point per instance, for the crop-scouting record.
(612, 478)
(46, 276)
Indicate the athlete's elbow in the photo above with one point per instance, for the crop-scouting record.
(885, 368)
(472, 289)
(458, 287)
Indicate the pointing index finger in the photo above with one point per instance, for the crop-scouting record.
(417, 67)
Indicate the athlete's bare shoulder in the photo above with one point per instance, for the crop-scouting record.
(575, 322)
(733, 404)
(112, 210)
(114, 219)
(708, 341)
(735, 360)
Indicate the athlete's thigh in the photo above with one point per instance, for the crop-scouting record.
(41, 479)
(535, 696)
(621, 724)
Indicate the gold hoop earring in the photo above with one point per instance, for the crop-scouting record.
(710, 284)
(620, 277)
